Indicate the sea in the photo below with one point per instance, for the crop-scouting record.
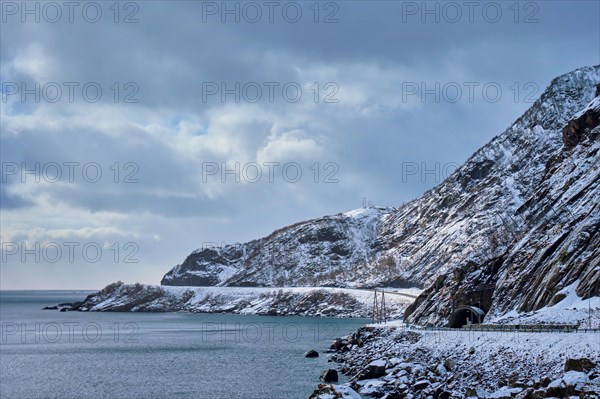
(51, 354)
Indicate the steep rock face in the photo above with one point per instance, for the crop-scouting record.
(468, 218)
(554, 235)
(563, 243)
(471, 284)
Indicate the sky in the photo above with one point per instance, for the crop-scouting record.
(135, 132)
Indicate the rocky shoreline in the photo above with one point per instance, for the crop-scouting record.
(394, 362)
(286, 301)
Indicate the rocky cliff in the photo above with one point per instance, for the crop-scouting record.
(552, 237)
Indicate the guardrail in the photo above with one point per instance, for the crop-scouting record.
(522, 327)
(529, 328)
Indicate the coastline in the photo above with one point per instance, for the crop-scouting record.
(271, 301)
(392, 361)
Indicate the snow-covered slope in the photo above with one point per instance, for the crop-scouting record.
(313, 253)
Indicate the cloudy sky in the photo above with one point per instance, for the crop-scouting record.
(132, 134)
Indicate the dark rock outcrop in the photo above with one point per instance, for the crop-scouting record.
(582, 364)
(311, 353)
(329, 375)
(582, 125)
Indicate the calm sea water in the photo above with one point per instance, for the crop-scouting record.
(52, 354)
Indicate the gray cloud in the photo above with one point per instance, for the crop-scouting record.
(372, 135)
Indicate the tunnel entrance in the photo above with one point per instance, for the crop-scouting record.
(465, 315)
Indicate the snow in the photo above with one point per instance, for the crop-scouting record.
(227, 272)
(570, 378)
(407, 295)
(304, 301)
(370, 386)
(345, 391)
(572, 300)
(484, 361)
(504, 392)
(391, 323)
(482, 393)
(510, 186)
(571, 310)
(378, 363)
(441, 370)
(554, 346)
(360, 213)
(594, 104)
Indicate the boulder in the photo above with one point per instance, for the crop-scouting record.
(375, 369)
(476, 393)
(544, 382)
(535, 394)
(442, 394)
(311, 353)
(338, 344)
(406, 367)
(506, 393)
(419, 385)
(449, 364)
(323, 391)
(355, 339)
(329, 375)
(560, 392)
(440, 370)
(570, 384)
(583, 365)
(519, 384)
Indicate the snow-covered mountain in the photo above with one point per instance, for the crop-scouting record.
(547, 236)
(510, 229)
(319, 252)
